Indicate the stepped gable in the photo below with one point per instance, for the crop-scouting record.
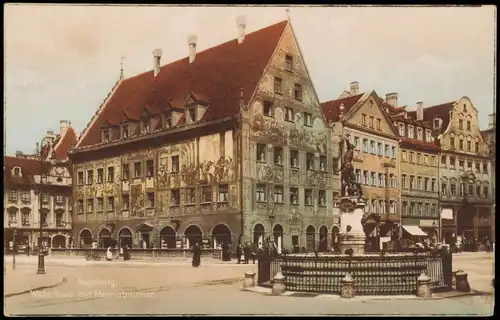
(216, 76)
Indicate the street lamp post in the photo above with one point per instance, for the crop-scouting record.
(41, 254)
(13, 225)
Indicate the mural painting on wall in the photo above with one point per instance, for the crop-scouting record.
(294, 219)
(316, 179)
(136, 200)
(267, 174)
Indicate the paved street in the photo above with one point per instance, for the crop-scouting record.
(210, 289)
(480, 267)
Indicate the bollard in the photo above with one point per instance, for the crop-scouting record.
(249, 279)
(461, 280)
(279, 284)
(424, 286)
(347, 291)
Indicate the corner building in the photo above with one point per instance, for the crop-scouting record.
(227, 144)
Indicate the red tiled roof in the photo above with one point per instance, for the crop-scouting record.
(331, 109)
(438, 111)
(63, 144)
(218, 74)
(29, 168)
(411, 120)
(420, 143)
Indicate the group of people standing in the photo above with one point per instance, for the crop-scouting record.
(244, 252)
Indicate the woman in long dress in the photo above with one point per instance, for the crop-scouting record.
(126, 254)
(196, 255)
(109, 254)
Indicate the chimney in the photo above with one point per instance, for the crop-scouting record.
(64, 124)
(241, 23)
(354, 88)
(420, 111)
(491, 123)
(392, 99)
(156, 61)
(192, 40)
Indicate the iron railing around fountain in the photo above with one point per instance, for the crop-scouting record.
(374, 274)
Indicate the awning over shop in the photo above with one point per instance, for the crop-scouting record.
(447, 214)
(415, 231)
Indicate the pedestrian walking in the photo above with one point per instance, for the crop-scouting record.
(196, 255)
(126, 254)
(229, 251)
(109, 254)
(254, 252)
(247, 251)
(239, 252)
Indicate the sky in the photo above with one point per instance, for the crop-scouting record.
(61, 61)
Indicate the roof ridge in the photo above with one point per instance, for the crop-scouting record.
(345, 98)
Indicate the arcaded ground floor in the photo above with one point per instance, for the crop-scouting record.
(24, 238)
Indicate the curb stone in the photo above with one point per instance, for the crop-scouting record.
(8, 295)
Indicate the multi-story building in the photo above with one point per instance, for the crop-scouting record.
(464, 170)
(23, 212)
(419, 167)
(361, 117)
(489, 136)
(226, 144)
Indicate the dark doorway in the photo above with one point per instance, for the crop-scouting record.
(167, 238)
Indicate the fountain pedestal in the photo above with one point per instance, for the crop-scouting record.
(353, 237)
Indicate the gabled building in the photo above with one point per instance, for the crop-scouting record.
(226, 145)
(23, 194)
(489, 136)
(465, 170)
(361, 117)
(419, 167)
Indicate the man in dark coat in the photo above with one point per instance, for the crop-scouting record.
(247, 251)
(239, 252)
(196, 255)
(126, 254)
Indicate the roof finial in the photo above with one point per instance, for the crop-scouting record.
(242, 102)
(121, 68)
(288, 14)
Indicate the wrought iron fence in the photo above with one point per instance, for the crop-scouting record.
(374, 274)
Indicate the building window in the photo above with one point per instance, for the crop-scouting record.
(79, 206)
(90, 205)
(436, 123)
(125, 202)
(261, 152)
(410, 132)
(260, 193)
(433, 185)
(308, 197)
(150, 165)
(372, 179)
(321, 198)
(420, 134)
(371, 122)
(175, 197)
(307, 119)
(460, 144)
(223, 192)
(111, 204)
(105, 135)
(59, 220)
(393, 152)
(372, 147)
(469, 146)
(381, 180)
(268, 108)
(379, 124)
(460, 124)
(111, 174)
(192, 115)
(206, 194)
(478, 167)
(289, 63)
(25, 197)
(443, 160)
(453, 162)
(190, 196)
(13, 196)
(470, 189)
(486, 190)
(25, 219)
(444, 187)
(90, 176)
(310, 161)
(277, 85)
(100, 175)
(412, 183)
(294, 158)
(452, 142)
(125, 171)
(485, 168)
(387, 152)
(298, 92)
(363, 119)
(278, 156)
(151, 200)
(80, 178)
(401, 130)
(426, 160)
(100, 205)
(322, 163)
(278, 194)
(380, 149)
(478, 190)
(365, 177)
(124, 131)
(419, 158)
(453, 189)
(357, 145)
(392, 180)
(419, 183)
(137, 170)
(468, 125)
(365, 145)
(294, 196)
(469, 165)
(476, 146)
(412, 157)
(175, 163)
(59, 199)
(145, 126)
(403, 156)
(289, 116)
(461, 164)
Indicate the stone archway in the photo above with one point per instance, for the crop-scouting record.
(278, 237)
(59, 241)
(192, 234)
(125, 238)
(258, 235)
(221, 234)
(336, 239)
(310, 238)
(323, 239)
(168, 238)
(85, 238)
(104, 238)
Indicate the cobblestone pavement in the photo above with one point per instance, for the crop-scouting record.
(23, 279)
(480, 267)
(173, 289)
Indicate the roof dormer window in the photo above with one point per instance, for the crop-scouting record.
(436, 123)
(401, 130)
(420, 134)
(16, 171)
(428, 135)
(124, 131)
(410, 132)
(106, 135)
(191, 113)
(145, 126)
